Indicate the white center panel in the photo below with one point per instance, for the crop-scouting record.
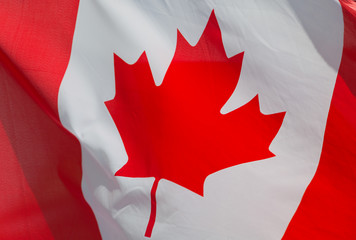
(292, 55)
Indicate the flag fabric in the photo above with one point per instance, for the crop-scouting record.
(171, 119)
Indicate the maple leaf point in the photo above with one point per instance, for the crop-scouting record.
(176, 131)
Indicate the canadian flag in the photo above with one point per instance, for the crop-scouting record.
(221, 119)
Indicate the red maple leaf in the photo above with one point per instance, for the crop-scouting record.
(176, 131)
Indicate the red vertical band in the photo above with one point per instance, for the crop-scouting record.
(41, 173)
(328, 207)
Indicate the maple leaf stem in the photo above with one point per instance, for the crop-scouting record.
(152, 220)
